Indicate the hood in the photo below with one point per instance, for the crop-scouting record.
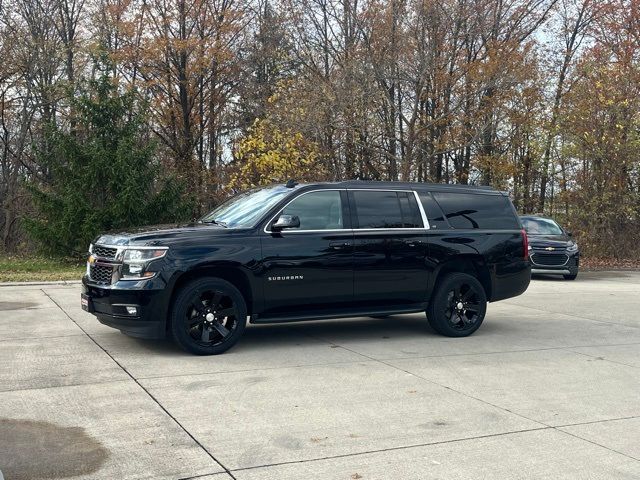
(556, 241)
(159, 234)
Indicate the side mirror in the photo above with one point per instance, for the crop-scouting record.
(570, 234)
(286, 221)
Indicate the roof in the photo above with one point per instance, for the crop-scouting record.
(433, 187)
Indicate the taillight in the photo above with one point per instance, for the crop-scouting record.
(525, 244)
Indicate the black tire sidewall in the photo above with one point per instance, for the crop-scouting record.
(436, 318)
(184, 295)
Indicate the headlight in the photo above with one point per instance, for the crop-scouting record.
(135, 262)
(573, 247)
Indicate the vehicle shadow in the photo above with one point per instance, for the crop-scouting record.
(277, 336)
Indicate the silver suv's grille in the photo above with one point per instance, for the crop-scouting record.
(101, 251)
(101, 274)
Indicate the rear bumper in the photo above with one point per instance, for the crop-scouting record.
(511, 280)
(109, 305)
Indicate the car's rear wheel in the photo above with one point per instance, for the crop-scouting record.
(458, 305)
(208, 316)
(571, 276)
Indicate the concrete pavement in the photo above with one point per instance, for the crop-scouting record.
(549, 387)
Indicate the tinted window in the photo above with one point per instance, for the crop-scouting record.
(386, 209)
(467, 210)
(317, 210)
(410, 212)
(433, 212)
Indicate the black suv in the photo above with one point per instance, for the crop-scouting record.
(551, 248)
(293, 252)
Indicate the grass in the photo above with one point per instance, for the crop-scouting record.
(38, 268)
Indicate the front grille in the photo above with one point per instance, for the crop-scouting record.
(101, 274)
(549, 259)
(105, 252)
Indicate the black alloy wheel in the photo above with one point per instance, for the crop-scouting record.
(458, 305)
(209, 315)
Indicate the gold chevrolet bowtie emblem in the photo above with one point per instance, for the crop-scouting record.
(91, 260)
(550, 249)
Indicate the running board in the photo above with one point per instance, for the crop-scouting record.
(347, 313)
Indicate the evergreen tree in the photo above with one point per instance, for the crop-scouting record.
(101, 174)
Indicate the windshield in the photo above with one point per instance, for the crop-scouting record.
(246, 209)
(541, 226)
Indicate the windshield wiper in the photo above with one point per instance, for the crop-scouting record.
(216, 222)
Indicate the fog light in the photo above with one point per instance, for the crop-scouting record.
(132, 310)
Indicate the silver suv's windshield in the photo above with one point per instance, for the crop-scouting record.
(246, 209)
(541, 226)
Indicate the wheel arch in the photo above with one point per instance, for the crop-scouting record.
(231, 273)
(470, 264)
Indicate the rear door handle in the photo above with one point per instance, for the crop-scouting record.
(414, 243)
(340, 245)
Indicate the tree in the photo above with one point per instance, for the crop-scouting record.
(269, 155)
(102, 175)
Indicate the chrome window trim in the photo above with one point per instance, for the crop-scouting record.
(425, 221)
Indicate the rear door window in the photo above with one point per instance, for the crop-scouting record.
(379, 209)
(410, 211)
(468, 210)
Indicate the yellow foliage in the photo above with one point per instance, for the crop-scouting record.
(268, 154)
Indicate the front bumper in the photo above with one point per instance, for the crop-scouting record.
(109, 304)
(570, 267)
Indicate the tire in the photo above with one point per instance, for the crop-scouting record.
(572, 276)
(443, 313)
(208, 317)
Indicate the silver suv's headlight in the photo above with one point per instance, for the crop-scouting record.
(135, 262)
(572, 247)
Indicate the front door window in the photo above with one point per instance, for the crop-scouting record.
(317, 211)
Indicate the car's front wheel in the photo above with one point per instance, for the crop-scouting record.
(208, 316)
(457, 306)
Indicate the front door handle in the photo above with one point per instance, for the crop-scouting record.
(340, 245)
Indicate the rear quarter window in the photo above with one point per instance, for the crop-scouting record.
(468, 210)
(432, 210)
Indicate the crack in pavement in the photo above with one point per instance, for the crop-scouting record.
(143, 388)
(544, 426)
